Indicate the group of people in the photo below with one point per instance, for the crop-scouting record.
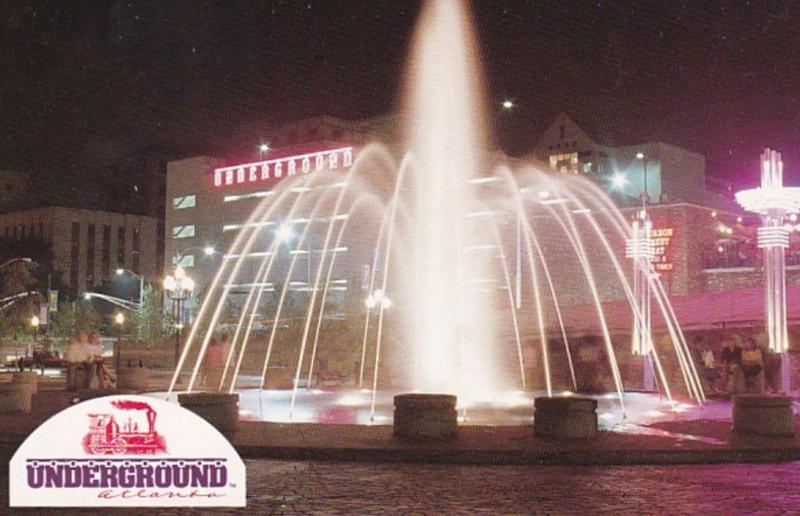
(86, 367)
(743, 368)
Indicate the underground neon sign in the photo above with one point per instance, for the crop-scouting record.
(279, 168)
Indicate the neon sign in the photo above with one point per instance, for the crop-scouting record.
(661, 239)
(279, 168)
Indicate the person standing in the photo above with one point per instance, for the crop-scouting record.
(752, 366)
(732, 359)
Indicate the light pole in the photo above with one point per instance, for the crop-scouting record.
(35, 322)
(774, 203)
(640, 247)
(119, 320)
(179, 287)
(122, 271)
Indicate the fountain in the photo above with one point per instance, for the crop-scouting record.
(429, 267)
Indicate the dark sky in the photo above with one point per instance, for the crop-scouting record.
(85, 80)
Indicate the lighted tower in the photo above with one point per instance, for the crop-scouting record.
(774, 203)
(641, 249)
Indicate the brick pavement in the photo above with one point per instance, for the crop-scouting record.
(282, 487)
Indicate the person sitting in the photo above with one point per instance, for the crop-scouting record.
(752, 366)
(710, 372)
(99, 375)
(77, 356)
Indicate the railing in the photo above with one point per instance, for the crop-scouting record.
(731, 257)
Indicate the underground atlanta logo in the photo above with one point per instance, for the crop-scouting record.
(126, 451)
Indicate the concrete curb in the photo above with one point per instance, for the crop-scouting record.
(524, 457)
(514, 457)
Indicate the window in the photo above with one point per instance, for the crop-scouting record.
(121, 247)
(183, 231)
(106, 253)
(187, 201)
(136, 251)
(74, 256)
(567, 162)
(90, 239)
(185, 261)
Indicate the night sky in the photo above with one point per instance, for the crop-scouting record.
(84, 82)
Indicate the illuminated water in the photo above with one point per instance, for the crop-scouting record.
(457, 257)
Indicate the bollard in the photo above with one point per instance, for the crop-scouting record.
(565, 418)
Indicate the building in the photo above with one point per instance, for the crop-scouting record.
(88, 245)
(668, 173)
(209, 198)
(703, 242)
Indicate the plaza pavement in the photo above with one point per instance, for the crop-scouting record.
(690, 438)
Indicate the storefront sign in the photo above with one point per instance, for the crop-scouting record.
(662, 261)
(269, 171)
(126, 451)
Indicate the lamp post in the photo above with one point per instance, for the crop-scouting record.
(122, 271)
(179, 287)
(35, 322)
(119, 320)
(774, 203)
(640, 247)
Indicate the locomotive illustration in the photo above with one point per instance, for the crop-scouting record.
(113, 433)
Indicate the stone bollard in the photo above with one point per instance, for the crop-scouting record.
(15, 398)
(29, 378)
(421, 417)
(565, 418)
(133, 378)
(762, 415)
(218, 408)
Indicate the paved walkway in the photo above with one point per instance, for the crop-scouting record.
(281, 487)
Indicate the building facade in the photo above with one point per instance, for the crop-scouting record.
(89, 245)
(703, 241)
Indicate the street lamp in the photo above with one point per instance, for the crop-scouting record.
(14, 260)
(508, 104)
(119, 320)
(618, 181)
(120, 271)
(179, 287)
(645, 195)
(378, 299)
(35, 322)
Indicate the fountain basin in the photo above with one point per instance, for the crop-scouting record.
(420, 416)
(565, 418)
(221, 409)
(767, 416)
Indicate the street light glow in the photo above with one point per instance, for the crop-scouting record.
(284, 233)
(209, 250)
(170, 283)
(618, 181)
(120, 272)
(264, 147)
(119, 318)
(640, 155)
(508, 104)
(35, 321)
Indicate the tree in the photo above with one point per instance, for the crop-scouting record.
(17, 278)
(149, 322)
(71, 318)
